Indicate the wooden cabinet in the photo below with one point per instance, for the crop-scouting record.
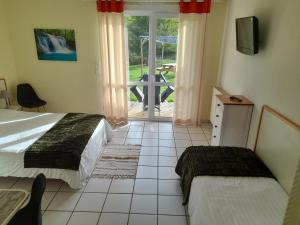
(232, 121)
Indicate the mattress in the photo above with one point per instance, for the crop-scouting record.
(236, 201)
(18, 130)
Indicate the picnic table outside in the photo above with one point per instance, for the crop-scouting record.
(159, 78)
(167, 67)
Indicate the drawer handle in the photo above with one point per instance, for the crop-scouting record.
(215, 136)
(218, 104)
(216, 126)
(217, 115)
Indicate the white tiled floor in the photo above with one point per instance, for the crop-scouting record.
(153, 198)
(144, 204)
(118, 203)
(138, 219)
(145, 186)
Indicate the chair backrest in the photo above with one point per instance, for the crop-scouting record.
(25, 93)
(37, 191)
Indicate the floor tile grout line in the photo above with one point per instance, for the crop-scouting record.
(76, 204)
(130, 205)
(190, 135)
(206, 135)
(126, 193)
(60, 186)
(186, 214)
(101, 211)
(46, 209)
(176, 147)
(83, 191)
(158, 165)
(116, 212)
(162, 214)
(134, 182)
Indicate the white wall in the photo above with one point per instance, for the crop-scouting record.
(211, 60)
(66, 86)
(7, 61)
(271, 77)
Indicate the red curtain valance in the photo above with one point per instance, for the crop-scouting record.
(194, 7)
(110, 6)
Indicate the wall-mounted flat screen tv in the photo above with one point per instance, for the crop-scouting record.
(247, 39)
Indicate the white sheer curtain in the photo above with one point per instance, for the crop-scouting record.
(189, 68)
(113, 66)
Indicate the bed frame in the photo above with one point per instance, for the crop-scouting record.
(280, 148)
(278, 145)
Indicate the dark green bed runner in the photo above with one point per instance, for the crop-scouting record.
(217, 161)
(61, 146)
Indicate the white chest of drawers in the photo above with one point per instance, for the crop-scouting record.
(232, 121)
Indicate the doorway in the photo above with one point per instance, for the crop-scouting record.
(151, 44)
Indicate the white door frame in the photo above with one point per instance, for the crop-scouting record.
(153, 17)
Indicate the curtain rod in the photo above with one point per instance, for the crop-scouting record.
(152, 1)
(148, 1)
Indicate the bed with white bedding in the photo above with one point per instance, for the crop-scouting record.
(19, 130)
(219, 200)
(236, 201)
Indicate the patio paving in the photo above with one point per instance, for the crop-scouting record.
(135, 110)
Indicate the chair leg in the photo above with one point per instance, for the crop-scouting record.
(44, 108)
(38, 109)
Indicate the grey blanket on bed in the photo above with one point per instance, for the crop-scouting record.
(61, 146)
(217, 161)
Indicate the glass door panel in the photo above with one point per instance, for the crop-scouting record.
(137, 55)
(165, 66)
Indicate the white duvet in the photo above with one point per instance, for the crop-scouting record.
(18, 130)
(236, 201)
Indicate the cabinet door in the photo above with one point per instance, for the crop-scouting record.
(236, 121)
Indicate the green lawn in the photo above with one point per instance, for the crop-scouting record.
(135, 75)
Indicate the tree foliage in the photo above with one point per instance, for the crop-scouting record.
(138, 26)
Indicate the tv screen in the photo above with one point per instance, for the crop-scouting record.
(247, 35)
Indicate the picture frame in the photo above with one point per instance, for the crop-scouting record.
(55, 44)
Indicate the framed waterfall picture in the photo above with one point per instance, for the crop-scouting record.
(55, 44)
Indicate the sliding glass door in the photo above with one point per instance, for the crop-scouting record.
(151, 42)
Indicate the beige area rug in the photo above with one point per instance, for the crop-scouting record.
(118, 161)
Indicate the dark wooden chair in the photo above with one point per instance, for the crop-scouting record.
(31, 213)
